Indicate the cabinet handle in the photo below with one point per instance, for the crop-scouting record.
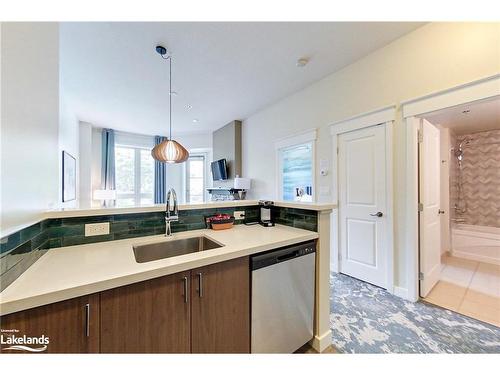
(87, 320)
(185, 289)
(200, 285)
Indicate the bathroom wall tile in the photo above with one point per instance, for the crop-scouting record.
(480, 176)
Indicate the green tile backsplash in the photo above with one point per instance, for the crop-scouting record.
(21, 249)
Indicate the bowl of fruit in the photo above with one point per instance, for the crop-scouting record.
(220, 221)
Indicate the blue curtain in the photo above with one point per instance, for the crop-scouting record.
(108, 162)
(160, 175)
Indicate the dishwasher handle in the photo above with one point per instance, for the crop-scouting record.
(287, 256)
(282, 255)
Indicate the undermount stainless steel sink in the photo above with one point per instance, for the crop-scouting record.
(172, 248)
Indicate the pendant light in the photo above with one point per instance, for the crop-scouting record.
(169, 151)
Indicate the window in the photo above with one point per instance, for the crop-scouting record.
(296, 160)
(134, 168)
(195, 179)
(296, 170)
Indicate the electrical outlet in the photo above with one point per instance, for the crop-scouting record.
(97, 229)
(239, 215)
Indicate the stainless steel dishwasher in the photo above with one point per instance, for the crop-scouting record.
(283, 298)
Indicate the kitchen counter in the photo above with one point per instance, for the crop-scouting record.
(78, 212)
(74, 271)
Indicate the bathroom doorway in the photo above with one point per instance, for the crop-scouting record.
(459, 209)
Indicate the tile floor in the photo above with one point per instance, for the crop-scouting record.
(367, 319)
(470, 288)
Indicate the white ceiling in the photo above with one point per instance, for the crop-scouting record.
(482, 116)
(111, 75)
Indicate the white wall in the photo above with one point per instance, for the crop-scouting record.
(96, 161)
(85, 164)
(432, 58)
(29, 121)
(69, 142)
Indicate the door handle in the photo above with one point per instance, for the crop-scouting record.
(200, 285)
(440, 212)
(377, 214)
(87, 320)
(185, 289)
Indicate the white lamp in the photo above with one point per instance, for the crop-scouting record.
(104, 195)
(242, 185)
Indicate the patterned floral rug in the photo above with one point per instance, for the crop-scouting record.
(367, 319)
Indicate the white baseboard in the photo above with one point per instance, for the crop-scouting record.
(476, 257)
(401, 292)
(320, 343)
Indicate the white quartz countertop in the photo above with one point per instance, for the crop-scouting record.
(73, 212)
(74, 271)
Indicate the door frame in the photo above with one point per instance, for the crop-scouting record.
(485, 88)
(383, 116)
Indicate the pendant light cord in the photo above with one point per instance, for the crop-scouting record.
(170, 95)
(169, 58)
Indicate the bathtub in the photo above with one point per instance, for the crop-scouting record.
(476, 242)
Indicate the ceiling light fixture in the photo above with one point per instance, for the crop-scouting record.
(169, 151)
(195, 120)
(189, 106)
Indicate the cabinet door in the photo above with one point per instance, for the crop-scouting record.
(152, 316)
(221, 307)
(71, 326)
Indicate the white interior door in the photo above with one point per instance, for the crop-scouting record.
(363, 204)
(429, 191)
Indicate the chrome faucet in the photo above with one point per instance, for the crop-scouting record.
(168, 217)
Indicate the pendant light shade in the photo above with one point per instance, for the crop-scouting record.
(170, 151)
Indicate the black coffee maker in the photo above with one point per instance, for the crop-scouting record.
(266, 219)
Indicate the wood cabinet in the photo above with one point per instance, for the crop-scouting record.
(220, 307)
(72, 326)
(205, 310)
(152, 316)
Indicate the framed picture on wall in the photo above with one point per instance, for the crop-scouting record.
(69, 177)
